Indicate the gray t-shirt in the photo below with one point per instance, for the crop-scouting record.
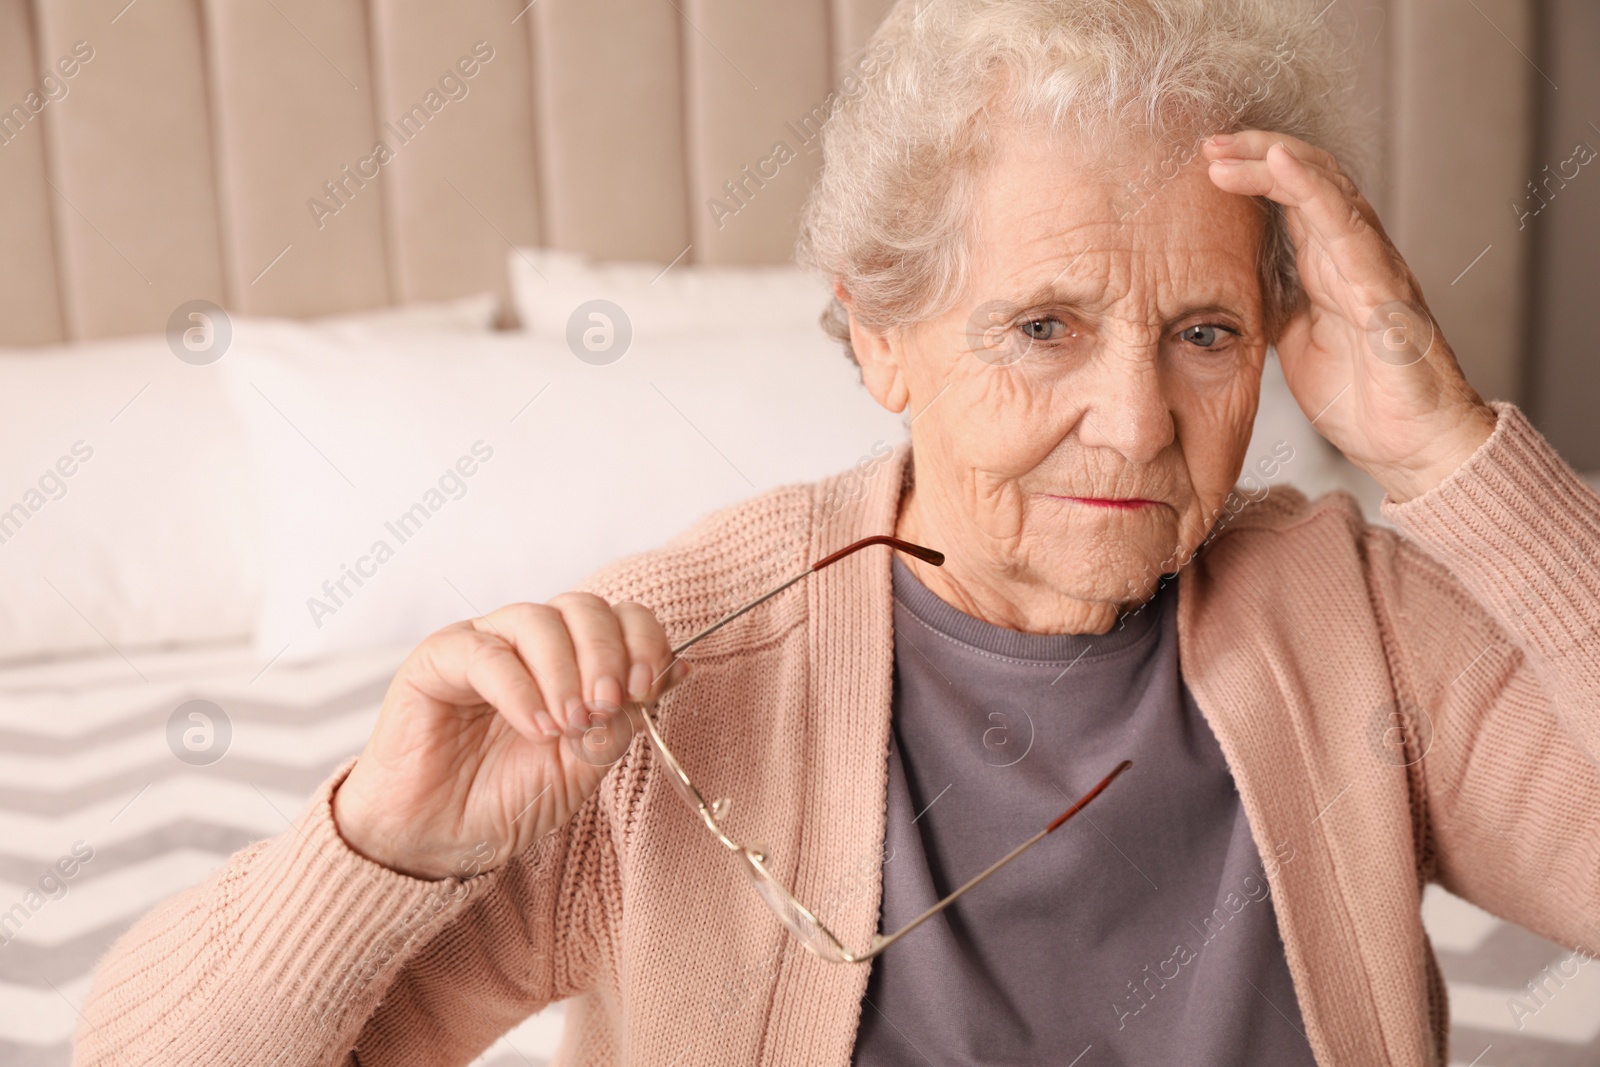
(1140, 932)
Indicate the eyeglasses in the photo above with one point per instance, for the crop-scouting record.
(800, 920)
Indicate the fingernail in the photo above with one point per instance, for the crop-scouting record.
(545, 723)
(1222, 138)
(639, 681)
(608, 691)
(1228, 162)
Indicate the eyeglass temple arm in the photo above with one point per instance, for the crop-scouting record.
(927, 555)
(879, 942)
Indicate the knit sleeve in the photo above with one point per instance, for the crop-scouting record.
(301, 951)
(1490, 593)
(544, 932)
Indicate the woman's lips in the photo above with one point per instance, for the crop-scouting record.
(1116, 503)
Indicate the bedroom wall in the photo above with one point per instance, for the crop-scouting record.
(1461, 130)
(1564, 374)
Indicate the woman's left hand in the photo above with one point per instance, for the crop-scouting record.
(1362, 355)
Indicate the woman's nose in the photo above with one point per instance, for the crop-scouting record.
(1125, 408)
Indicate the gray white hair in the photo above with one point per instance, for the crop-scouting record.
(902, 158)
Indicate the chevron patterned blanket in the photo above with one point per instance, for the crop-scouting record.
(123, 781)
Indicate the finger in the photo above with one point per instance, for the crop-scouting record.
(1293, 183)
(539, 635)
(462, 666)
(648, 649)
(1330, 222)
(1255, 177)
(1253, 144)
(676, 673)
(1358, 250)
(1232, 165)
(602, 653)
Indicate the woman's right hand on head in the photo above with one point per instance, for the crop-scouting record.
(496, 730)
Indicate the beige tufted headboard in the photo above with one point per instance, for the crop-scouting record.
(183, 148)
(178, 161)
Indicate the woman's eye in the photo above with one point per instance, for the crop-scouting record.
(1046, 329)
(1205, 335)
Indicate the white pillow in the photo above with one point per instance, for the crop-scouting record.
(152, 538)
(511, 497)
(548, 286)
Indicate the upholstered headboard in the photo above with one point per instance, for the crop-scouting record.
(172, 156)
(154, 152)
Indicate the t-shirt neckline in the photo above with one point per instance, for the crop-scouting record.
(951, 622)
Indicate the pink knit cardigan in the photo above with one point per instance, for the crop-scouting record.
(1302, 630)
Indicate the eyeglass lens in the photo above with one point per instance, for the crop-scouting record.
(799, 922)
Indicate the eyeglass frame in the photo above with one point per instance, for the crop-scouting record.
(755, 858)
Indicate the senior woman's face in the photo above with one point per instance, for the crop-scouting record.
(1080, 416)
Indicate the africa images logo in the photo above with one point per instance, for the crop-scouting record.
(1399, 732)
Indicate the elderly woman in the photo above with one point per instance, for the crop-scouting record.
(1063, 235)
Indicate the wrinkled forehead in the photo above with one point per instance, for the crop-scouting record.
(1153, 229)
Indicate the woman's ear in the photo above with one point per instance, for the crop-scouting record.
(879, 356)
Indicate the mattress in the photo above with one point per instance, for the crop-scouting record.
(85, 757)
